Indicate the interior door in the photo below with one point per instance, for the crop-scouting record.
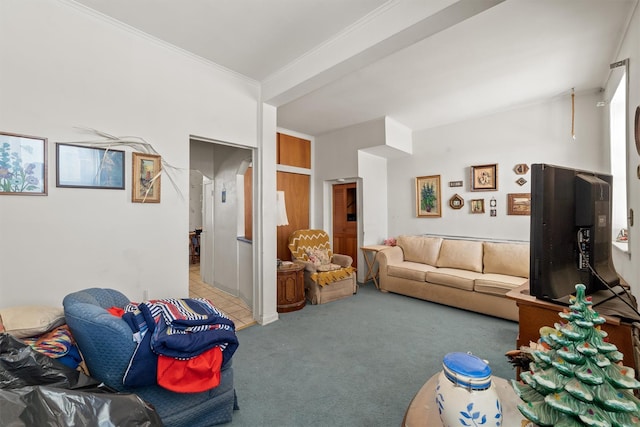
(345, 220)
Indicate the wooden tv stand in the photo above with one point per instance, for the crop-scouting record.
(535, 313)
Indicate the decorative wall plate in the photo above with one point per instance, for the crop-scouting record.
(521, 182)
(521, 168)
(456, 202)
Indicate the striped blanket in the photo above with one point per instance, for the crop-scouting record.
(177, 328)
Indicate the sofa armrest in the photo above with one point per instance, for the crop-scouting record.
(390, 255)
(342, 260)
(385, 257)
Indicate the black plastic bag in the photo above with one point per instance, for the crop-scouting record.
(36, 390)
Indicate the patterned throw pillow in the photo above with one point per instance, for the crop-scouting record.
(318, 256)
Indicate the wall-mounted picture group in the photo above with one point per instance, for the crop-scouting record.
(482, 178)
(24, 168)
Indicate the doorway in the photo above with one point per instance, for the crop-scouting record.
(345, 220)
(216, 203)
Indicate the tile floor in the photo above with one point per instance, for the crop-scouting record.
(235, 308)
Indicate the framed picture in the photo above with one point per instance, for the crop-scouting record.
(23, 165)
(87, 167)
(484, 178)
(428, 196)
(519, 204)
(456, 202)
(146, 178)
(477, 206)
(455, 183)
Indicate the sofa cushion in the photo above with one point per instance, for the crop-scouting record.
(420, 249)
(497, 284)
(409, 270)
(463, 254)
(511, 259)
(453, 277)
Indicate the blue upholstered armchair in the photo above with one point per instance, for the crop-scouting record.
(106, 344)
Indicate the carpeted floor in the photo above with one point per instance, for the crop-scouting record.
(358, 361)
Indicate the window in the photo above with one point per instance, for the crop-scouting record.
(616, 94)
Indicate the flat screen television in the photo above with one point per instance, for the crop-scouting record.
(570, 234)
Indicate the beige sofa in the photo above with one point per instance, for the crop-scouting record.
(469, 274)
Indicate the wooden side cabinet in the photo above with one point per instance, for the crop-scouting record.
(291, 288)
(535, 313)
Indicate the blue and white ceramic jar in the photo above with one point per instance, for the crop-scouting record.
(465, 394)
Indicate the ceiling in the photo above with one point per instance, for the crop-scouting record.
(328, 64)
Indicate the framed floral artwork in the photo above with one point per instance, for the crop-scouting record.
(23, 165)
(484, 177)
(428, 203)
(146, 178)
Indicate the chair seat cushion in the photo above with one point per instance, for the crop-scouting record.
(328, 267)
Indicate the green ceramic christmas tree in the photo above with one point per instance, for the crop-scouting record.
(577, 378)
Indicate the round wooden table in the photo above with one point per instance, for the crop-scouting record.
(423, 410)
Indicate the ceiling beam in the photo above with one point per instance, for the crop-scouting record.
(396, 25)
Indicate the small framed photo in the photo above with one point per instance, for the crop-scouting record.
(455, 183)
(428, 204)
(477, 206)
(484, 177)
(23, 165)
(493, 212)
(456, 202)
(146, 178)
(519, 204)
(88, 167)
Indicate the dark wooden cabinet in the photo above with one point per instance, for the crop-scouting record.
(291, 288)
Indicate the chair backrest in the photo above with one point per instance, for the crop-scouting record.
(301, 241)
(104, 340)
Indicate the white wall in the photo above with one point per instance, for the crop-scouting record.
(63, 67)
(336, 157)
(534, 134)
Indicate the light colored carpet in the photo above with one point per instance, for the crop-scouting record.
(357, 361)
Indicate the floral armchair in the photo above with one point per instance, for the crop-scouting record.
(327, 276)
